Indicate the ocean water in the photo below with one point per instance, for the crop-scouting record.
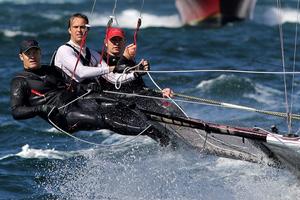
(38, 162)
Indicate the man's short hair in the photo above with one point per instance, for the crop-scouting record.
(78, 15)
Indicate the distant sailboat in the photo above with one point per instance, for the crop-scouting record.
(215, 12)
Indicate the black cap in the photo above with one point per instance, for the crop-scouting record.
(28, 44)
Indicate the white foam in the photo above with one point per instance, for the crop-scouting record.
(229, 163)
(128, 19)
(264, 94)
(274, 16)
(12, 33)
(207, 84)
(28, 152)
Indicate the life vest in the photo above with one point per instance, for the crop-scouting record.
(67, 79)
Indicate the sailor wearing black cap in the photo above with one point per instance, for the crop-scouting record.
(37, 90)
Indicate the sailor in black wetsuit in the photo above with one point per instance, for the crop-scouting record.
(36, 91)
(39, 90)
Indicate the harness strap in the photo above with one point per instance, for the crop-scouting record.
(138, 25)
(85, 60)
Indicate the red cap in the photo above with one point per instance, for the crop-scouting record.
(113, 32)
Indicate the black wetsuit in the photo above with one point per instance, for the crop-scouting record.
(32, 89)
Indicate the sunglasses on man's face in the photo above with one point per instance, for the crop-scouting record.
(116, 39)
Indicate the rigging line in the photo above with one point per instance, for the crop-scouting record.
(220, 70)
(94, 143)
(208, 102)
(93, 7)
(118, 82)
(108, 25)
(168, 97)
(85, 141)
(63, 106)
(181, 109)
(138, 25)
(114, 8)
(283, 65)
(294, 62)
(113, 12)
(141, 9)
(235, 106)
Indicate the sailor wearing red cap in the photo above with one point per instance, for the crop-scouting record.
(88, 66)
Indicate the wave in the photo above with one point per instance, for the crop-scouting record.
(40, 153)
(231, 86)
(274, 16)
(153, 174)
(28, 152)
(264, 94)
(41, 1)
(14, 33)
(128, 19)
(226, 83)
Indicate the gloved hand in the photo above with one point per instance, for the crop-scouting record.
(144, 66)
(46, 109)
(94, 87)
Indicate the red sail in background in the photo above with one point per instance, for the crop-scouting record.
(218, 12)
(193, 11)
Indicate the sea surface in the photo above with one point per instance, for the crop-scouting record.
(38, 162)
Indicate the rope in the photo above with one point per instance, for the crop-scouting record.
(185, 114)
(141, 9)
(294, 64)
(219, 70)
(118, 82)
(93, 7)
(108, 25)
(138, 25)
(93, 143)
(88, 92)
(240, 107)
(209, 102)
(283, 66)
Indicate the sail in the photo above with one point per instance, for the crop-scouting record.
(214, 11)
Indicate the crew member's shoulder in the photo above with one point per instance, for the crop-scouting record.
(49, 69)
(19, 78)
(64, 48)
